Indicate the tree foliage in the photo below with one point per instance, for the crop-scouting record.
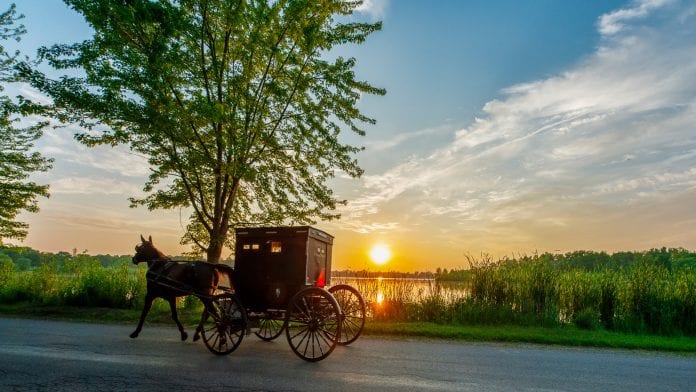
(17, 160)
(235, 103)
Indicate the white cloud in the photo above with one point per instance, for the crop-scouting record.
(113, 221)
(59, 143)
(401, 138)
(33, 94)
(99, 186)
(614, 22)
(370, 228)
(375, 9)
(618, 125)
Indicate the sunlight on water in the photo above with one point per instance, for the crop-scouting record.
(379, 290)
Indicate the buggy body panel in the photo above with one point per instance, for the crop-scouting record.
(272, 264)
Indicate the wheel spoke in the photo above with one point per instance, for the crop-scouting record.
(308, 337)
(270, 327)
(319, 345)
(313, 323)
(353, 312)
(327, 336)
(301, 331)
(224, 330)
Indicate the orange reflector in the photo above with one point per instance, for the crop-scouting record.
(321, 280)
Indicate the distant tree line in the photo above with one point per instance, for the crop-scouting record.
(586, 260)
(24, 258)
(389, 274)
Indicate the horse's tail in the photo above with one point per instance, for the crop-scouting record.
(222, 269)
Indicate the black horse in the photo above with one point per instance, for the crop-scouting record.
(168, 280)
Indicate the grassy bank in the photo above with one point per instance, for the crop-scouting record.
(650, 292)
(560, 335)
(641, 300)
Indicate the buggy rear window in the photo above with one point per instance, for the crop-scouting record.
(250, 246)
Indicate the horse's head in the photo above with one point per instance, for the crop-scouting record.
(146, 251)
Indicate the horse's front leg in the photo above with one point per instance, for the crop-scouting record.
(146, 308)
(208, 309)
(175, 317)
(199, 328)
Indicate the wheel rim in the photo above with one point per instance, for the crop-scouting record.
(353, 312)
(223, 331)
(270, 327)
(313, 324)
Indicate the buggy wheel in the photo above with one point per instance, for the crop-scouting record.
(224, 329)
(271, 326)
(313, 324)
(352, 312)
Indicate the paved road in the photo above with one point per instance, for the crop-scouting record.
(56, 356)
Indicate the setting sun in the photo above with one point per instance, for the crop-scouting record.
(380, 254)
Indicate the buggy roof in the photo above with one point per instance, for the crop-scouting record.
(284, 231)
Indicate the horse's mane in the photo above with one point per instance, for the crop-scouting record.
(161, 255)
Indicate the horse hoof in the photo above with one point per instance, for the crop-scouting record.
(184, 336)
(134, 335)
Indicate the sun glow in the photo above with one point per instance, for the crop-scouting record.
(380, 254)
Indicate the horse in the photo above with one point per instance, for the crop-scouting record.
(168, 280)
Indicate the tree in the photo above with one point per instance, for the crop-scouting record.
(234, 103)
(17, 160)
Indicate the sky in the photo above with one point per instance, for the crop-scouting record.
(509, 128)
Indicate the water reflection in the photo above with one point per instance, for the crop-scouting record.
(401, 290)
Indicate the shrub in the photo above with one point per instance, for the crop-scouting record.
(587, 319)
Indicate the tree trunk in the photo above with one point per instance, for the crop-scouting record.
(214, 251)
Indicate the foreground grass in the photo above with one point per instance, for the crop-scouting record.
(562, 336)
(158, 314)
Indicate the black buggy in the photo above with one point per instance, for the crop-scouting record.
(279, 285)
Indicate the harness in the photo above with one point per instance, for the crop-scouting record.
(159, 275)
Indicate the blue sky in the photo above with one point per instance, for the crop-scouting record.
(508, 127)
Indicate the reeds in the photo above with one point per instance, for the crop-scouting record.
(651, 292)
(82, 282)
(647, 296)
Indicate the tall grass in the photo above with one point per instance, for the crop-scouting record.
(645, 297)
(647, 293)
(81, 282)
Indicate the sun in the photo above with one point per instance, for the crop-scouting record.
(380, 254)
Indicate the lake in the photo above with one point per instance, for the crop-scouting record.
(405, 290)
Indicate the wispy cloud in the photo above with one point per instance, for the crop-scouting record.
(33, 94)
(91, 186)
(619, 123)
(59, 143)
(401, 138)
(375, 9)
(96, 218)
(614, 22)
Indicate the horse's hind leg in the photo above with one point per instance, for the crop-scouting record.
(175, 317)
(146, 309)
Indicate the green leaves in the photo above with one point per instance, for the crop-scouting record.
(232, 102)
(17, 160)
